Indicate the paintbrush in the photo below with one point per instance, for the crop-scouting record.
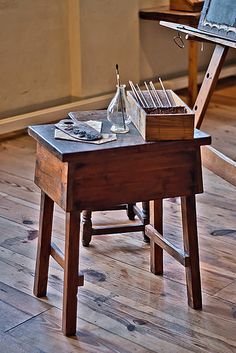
(150, 95)
(117, 75)
(121, 102)
(164, 90)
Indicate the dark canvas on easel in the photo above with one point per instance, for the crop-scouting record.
(219, 18)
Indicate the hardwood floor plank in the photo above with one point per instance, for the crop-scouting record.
(9, 344)
(228, 293)
(44, 334)
(20, 301)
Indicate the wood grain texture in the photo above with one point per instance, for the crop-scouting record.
(209, 83)
(71, 264)
(164, 13)
(186, 5)
(44, 245)
(123, 307)
(162, 127)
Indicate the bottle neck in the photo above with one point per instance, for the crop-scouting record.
(121, 89)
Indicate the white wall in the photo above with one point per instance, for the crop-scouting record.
(52, 50)
(34, 56)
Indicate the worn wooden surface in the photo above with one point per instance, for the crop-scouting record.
(121, 308)
(164, 13)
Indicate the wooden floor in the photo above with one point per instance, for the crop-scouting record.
(122, 307)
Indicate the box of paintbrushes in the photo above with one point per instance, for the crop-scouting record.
(159, 114)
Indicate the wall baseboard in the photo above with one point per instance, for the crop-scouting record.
(49, 115)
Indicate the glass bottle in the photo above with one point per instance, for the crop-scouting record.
(117, 111)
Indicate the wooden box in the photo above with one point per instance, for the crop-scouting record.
(166, 123)
(186, 5)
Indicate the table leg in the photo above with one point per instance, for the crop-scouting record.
(86, 227)
(71, 264)
(188, 207)
(44, 245)
(156, 252)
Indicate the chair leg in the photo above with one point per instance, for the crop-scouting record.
(156, 252)
(71, 278)
(44, 246)
(146, 219)
(188, 207)
(130, 211)
(86, 227)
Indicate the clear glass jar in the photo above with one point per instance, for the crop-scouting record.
(117, 111)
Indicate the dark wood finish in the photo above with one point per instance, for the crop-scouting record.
(87, 229)
(57, 254)
(188, 207)
(156, 251)
(170, 248)
(128, 294)
(44, 245)
(51, 177)
(87, 176)
(164, 13)
(71, 274)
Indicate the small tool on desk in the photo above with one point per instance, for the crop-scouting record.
(150, 95)
(164, 90)
(156, 95)
(121, 101)
(135, 92)
(142, 95)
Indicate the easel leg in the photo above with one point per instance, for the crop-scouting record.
(188, 207)
(71, 264)
(192, 72)
(156, 252)
(209, 83)
(44, 246)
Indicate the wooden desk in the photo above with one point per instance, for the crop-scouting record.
(163, 13)
(79, 176)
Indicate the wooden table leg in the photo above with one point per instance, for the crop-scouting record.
(188, 207)
(71, 271)
(44, 245)
(86, 227)
(156, 252)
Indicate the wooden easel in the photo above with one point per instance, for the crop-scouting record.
(214, 160)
